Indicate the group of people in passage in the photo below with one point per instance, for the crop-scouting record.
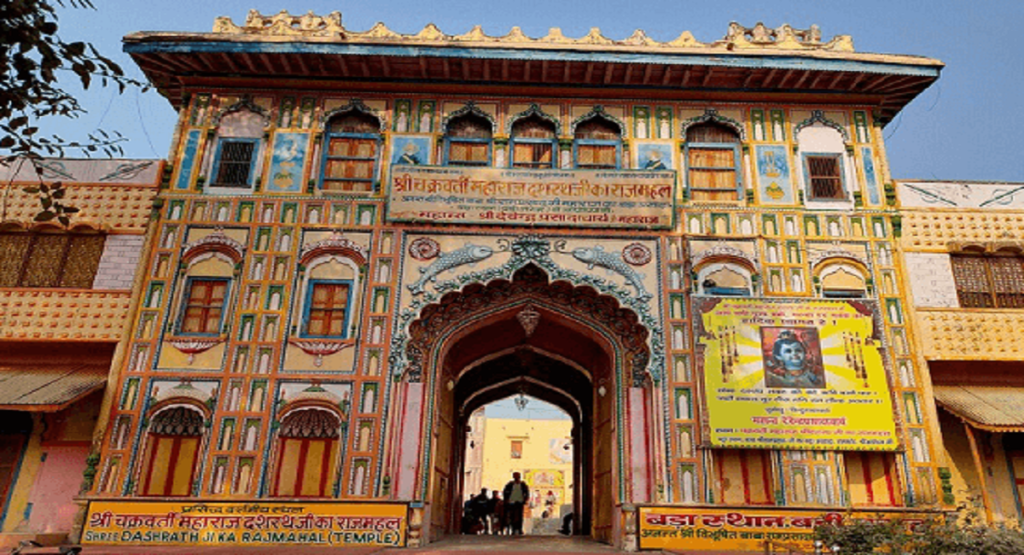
(500, 514)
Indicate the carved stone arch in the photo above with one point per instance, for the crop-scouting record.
(822, 261)
(355, 105)
(469, 109)
(598, 112)
(175, 411)
(818, 117)
(711, 115)
(245, 103)
(724, 253)
(841, 272)
(214, 243)
(310, 420)
(336, 244)
(533, 110)
(530, 283)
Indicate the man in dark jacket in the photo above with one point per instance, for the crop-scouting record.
(516, 494)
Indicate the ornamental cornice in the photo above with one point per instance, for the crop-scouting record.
(723, 251)
(216, 241)
(738, 37)
(817, 257)
(336, 243)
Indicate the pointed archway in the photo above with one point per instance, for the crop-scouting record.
(565, 344)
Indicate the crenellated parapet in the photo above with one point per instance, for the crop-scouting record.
(284, 24)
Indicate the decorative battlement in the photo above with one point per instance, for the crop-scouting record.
(284, 24)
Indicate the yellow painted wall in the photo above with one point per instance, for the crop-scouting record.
(537, 436)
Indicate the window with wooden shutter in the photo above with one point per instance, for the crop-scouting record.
(598, 144)
(989, 281)
(327, 309)
(204, 306)
(533, 143)
(825, 176)
(468, 141)
(350, 156)
(712, 163)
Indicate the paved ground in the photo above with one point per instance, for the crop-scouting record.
(514, 544)
(492, 545)
(458, 545)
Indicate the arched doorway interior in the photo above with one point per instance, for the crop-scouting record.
(564, 344)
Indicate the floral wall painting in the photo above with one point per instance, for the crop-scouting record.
(286, 166)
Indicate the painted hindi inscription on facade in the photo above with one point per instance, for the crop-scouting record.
(245, 524)
(747, 529)
(806, 375)
(502, 196)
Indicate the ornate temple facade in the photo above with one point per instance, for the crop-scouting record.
(692, 248)
(65, 297)
(962, 243)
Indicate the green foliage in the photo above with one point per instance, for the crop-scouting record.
(32, 59)
(51, 199)
(962, 534)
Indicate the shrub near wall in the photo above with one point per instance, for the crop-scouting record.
(951, 536)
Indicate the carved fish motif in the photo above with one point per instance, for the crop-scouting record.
(613, 262)
(448, 261)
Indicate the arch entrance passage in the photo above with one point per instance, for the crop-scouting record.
(564, 344)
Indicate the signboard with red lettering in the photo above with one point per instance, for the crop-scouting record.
(245, 524)
(627, 199)
(741, 529)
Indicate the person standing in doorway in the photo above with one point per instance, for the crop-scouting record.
(497, 510)
(516, 494)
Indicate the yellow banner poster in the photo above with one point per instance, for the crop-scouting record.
(794, 375)
(716, 530)
(245, 524)
(635, 199)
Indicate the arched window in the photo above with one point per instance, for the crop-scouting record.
(172, 451)
(204, 297)
(468, 141)
(351, 148)
(598, 144)
(713, 162)
(307, 453)
(841, 280)
(724, 279)
(329, 286)
(534, 144)
(239, 134)
(823, 155)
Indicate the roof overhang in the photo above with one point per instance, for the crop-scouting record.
(174, 62)
(48, 387)
(989, 408)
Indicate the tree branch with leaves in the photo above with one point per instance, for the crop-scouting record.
(33, 59)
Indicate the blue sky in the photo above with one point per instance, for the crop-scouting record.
(969, 126)
(535, 410)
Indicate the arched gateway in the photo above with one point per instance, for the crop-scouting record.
(566, 344)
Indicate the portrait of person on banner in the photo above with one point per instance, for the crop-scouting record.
(410, 150)
(792, 358)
